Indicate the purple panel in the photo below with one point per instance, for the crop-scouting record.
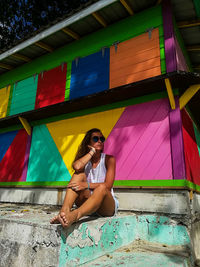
(177, 148)
(180, 58)
(28, 146)
(170, 49)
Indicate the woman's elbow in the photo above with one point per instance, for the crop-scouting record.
(76, 167)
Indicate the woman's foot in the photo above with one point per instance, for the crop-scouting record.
(69, 218)
(55, 220)
(58, 218)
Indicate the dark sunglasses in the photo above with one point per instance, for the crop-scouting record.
(97, 138)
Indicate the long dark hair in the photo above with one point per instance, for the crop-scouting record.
(83, 147)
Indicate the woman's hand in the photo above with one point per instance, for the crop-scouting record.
(92, 149)
(78, 186)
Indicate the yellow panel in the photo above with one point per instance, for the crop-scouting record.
(68, 134)
(4, 97)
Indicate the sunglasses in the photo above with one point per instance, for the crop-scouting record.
(95, 139)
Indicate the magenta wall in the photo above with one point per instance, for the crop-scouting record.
(140, 141)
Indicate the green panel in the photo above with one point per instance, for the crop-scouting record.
(67, 91)
(134, 25)
(197, 135)
(160, 184)
(182, 45)
(162, 50)
(23, 95)
(197, 7)
(45, 161)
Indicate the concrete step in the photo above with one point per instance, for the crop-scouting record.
(141, 253)
(27, 238)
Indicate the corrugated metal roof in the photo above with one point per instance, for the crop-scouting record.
(83, 23)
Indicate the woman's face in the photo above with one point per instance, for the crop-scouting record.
(97, 141)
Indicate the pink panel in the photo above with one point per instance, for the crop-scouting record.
(140, 141)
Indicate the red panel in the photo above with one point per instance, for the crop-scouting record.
(51, 87)
(12, 164)
(192, 158)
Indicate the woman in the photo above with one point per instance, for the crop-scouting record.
(91, 185)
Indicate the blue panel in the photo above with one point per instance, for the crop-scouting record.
(5, 141)
(90, 75)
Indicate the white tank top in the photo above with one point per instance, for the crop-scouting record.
(98, 174)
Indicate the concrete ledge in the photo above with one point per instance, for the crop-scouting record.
(162, 201)
(27, 238)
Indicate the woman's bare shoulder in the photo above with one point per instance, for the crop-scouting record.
(109, 158)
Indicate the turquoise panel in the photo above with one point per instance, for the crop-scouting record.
(45, 161)
(197, 135)
(87, 240)
(24, 95)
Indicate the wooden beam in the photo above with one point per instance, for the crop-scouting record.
(193, 48)
(5, 66)
(100, 19)
(188, 94)
(26, 125)
(127, 6)
(196, 67)
(21, 57)
(188, 23)
(44, 46)
(170, 94)
(71, 33)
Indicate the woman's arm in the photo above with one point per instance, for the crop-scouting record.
(79, 164)
(109, 179)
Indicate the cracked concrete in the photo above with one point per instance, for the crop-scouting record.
(27, 238)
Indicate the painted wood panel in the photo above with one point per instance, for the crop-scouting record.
(23, 95)
(4, 98)
(140, 141)
(45, 162)
(51, 86)
(68, 134)
(177, 147)
(169, 36)
(181, 62)
(12, 163)
(135, 59)
(90, 75)
(192, 157)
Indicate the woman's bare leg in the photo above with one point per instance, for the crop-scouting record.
(70, 198)
(101, 200)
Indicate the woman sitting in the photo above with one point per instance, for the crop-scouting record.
(90, 187)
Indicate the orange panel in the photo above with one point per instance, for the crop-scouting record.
(135, 59)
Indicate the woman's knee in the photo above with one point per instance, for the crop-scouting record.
(102, 189)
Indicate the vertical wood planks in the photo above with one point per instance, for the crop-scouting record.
(90, 74)
(135, 59)
(192, 157)
(4, 98)
(51, 86)
(23, 95)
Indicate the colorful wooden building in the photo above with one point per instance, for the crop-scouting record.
(132, 78)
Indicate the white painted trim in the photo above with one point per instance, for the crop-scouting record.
(78, 16)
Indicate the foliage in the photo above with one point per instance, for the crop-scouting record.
(20, 18)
